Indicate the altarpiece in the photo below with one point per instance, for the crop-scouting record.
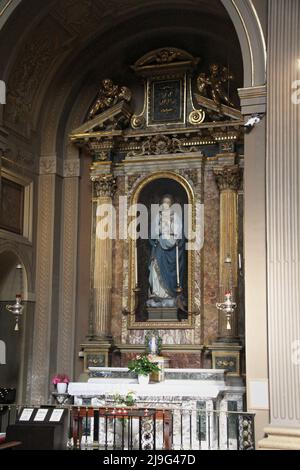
(182, 145)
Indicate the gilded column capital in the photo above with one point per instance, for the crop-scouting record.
(104, 185)
(229, 177)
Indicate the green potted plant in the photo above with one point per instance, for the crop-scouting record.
(143, 366)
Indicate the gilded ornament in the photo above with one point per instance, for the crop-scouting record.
(197, 117)
(166, 56)
(104, 185)
(162, 145)
(229, 177)
(108, 96)
(138, 122)
(212, 85)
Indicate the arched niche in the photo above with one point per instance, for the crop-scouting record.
(150, 191)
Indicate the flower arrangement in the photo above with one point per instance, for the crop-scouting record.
(143, 365)
(129, 400)
(60, 379)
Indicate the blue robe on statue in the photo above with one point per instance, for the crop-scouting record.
(167, 232)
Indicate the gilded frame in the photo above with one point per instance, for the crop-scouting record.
(149, 99)
(182, 101)
(161, 325)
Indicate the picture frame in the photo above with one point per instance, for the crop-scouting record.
(166, 100)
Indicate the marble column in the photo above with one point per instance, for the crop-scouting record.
(104, 187)
(283, 224)
(96, 351)
(229, 181)
(226, 351)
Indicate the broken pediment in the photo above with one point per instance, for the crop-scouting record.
(113, 119)
(216, 112)
(165, 60)
(183, 109)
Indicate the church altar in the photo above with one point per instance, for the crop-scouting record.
(166, 179)
(160, 175)
(195, 386)
(191, 395)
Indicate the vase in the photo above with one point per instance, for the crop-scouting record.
(144, 379)
(62, 388)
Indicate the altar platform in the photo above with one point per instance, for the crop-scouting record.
(195, 398)
(210, 389)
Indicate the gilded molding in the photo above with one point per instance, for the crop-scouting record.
(104, 186)
(162, 145)
(190, 323)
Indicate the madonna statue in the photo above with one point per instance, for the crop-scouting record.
(166, 268)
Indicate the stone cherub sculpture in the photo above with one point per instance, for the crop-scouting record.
(108, 96)
(212, 86)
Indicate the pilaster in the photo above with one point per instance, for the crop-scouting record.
(68, 267)
(283, 225)
(44, 279)
(254, 101)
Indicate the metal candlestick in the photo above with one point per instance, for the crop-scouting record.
(228, 307)
(179, 289)
(17, 310)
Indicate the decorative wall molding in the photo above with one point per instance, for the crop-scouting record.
(71, 168)
(49, 165)
(7, 7)
(253, 100)
(16, 155)
(44, 287)
(252, 40)
(67, 304)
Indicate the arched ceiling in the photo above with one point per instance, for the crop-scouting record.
(54, 48)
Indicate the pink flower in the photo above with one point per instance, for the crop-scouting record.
(60, 379)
